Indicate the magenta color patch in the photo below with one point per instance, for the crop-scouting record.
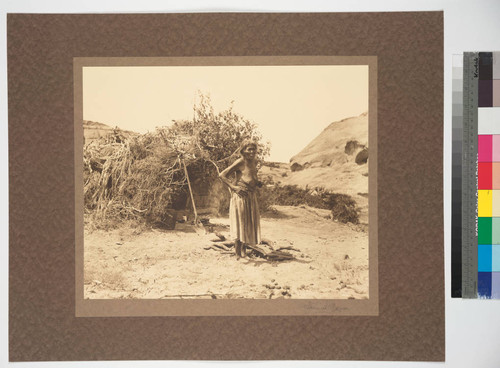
(496, 148)
(484, 148)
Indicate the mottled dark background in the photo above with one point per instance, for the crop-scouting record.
(409, 48)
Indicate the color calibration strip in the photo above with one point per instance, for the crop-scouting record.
(488, 177)
(469, 174)
(456, 173)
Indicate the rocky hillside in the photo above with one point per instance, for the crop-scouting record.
(93, 130)
(337, 160)
(340, 142)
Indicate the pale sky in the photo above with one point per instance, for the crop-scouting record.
(290, 104)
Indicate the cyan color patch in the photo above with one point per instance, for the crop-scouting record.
(484, 263)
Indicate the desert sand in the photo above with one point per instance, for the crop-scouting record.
(332, 261)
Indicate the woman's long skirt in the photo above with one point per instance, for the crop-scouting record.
(245, 218)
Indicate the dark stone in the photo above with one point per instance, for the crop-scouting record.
(362, 157)
(296, 167)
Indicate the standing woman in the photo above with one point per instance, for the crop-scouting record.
(244, 208)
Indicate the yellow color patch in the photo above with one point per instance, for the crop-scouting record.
(484, 203)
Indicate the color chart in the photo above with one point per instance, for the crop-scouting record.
(488, 176)
(476, 177)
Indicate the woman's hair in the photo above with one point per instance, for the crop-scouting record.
(245, 144)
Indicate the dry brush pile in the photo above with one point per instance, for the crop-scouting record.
(135, 178)
(142, 177)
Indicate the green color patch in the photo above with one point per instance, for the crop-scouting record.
(484, 235)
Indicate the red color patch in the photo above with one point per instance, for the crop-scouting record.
(484, 180)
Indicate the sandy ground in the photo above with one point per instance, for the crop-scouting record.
(158, 264)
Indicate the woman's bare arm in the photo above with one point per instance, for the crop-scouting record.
(228, 171)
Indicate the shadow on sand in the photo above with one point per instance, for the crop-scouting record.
(256, 261)
(276, 215)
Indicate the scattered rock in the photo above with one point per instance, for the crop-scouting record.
(362, 157)
(296, 167)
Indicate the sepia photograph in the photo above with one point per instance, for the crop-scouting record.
(226, 182)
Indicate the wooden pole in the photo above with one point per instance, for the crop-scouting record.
(190, 192)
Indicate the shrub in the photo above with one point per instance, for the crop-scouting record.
(342, 206)
(214, 137)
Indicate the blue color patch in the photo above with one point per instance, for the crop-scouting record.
(484, 284)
